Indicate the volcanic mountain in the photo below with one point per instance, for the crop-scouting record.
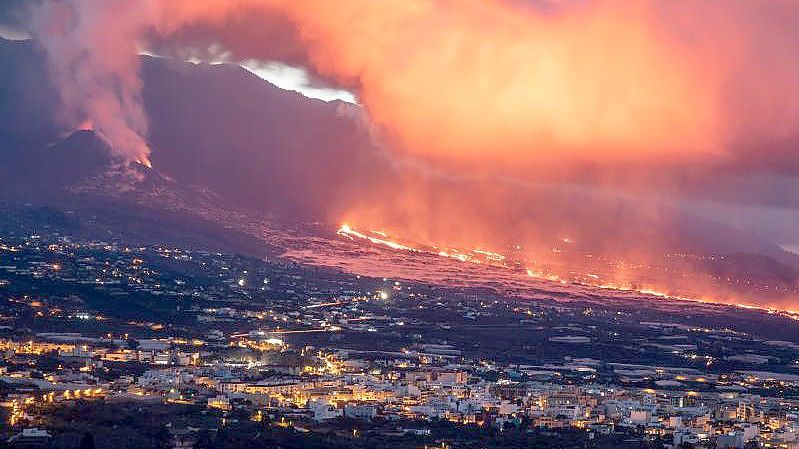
(225, 139)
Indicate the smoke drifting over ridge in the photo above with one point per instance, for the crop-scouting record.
(91, 49)
(476, 82)
(516, 122)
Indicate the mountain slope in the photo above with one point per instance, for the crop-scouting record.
(255, 144)
(220, 129)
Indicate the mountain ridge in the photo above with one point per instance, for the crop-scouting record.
(222, 130)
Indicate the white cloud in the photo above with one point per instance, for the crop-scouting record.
(296, 79)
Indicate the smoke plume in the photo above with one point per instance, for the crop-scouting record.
(613, 94)
(474, 83)
(91, 49)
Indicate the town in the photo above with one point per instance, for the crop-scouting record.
(239, 343)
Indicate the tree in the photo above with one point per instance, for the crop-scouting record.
(87, 442)
(204, 440)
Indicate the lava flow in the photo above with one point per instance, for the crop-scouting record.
(476, 256)
(494, 259)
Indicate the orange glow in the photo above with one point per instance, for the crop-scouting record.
(498, 82)
(145, 162)
(86, 125)
(472, 83)
(347, 231)
(496, 259)
(497, 90)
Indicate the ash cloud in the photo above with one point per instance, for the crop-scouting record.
(469, 84)
(653, 100)
(91, 48)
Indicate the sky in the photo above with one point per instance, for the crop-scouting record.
(11, 20)
(448, 82)
(518, 89)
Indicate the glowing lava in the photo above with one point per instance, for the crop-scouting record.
(144, 161)
(478, 256)
(346, 231)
